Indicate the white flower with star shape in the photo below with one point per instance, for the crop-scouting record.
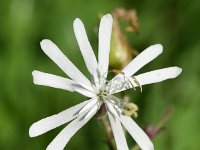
(98, 91)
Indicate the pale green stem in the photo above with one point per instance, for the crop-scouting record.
(108, 132)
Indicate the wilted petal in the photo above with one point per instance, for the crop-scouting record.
(105, 30)
(118, 133)
(85, 47)
(55, 121)
(46, 79)
(64, 63)
(137, 133)
(65, 135)
(158, 75)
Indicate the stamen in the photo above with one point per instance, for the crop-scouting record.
(102, 94)
(130, 109)
(134, 81)
(117, 106)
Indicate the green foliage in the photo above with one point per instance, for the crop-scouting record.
(24, 23)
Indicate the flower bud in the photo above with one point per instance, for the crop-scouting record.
(120, 52)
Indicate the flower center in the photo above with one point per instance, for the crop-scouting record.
(102, 94)
(113, 104)
(120, 106)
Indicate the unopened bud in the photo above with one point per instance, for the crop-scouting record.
(120, 52)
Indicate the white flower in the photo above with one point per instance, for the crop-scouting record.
(98, 91)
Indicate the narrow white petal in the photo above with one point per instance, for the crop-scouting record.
(112, 110)
(93, 110)
(142, 59)
(64, 63)
(105, 30)
(149, 78)
(85, 47)
(118, 133)
(55, 121)
(96, 79)
(90, 104)
(158, 75)
(84, 91)
(137, 133)
(66, 134)
(46, 79)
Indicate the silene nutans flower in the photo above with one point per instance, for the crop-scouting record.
(99, 91)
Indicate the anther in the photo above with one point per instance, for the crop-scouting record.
(130, 109)
(134, 81)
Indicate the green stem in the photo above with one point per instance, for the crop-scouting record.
(106, 128)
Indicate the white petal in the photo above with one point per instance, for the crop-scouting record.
(65, 135)
(96, 79)
(147, 78)
(93, 110)
(112, 110)
(46, 79)
(90, 104)
(84, 91)
(85, 47)
(137, 133)
(118, 133)
(158, 75)
(55, 121)
(142, 59)
(105, 30)
(64, 63)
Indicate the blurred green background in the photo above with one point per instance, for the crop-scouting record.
(24, 23)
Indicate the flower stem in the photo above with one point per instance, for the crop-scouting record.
(106, 128)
